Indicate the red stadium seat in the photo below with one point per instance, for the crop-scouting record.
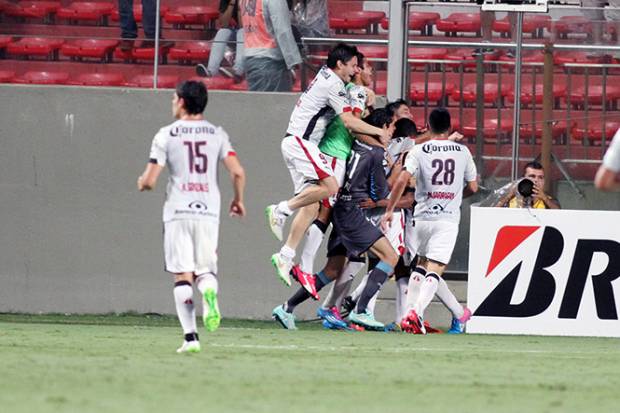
(163, 81)
(527, 56)
(216, 82)
(490, 130)
(572, 25)
(6, 76)
(595, 131)
(558, 129)
(241, 86)
(560, 58)
(459, 23)
(528, 95)
(89, 48)
(86, 11)
(137, 12)
(532, 23)
(142, 53)
(33, 9)
(190, 52)
(184, 16)
(594, 95)
(374, 52)
(422, 21)
(466, 57)
(423, 54)
(99, 79)
(4, 41)
(492, 94)
(435, 91)
(36, 46)
(43, 78)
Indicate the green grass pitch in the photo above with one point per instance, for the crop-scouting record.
(128, 364)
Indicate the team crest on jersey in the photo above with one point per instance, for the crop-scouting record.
(201, 206)
(342, 93)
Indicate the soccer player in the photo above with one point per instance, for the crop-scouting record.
(190, 148)
(608, 174)
(313, 177)
(440, 167)
(353, 233)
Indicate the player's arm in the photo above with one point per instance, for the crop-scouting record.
(148, 179)
(606, 179)
(237, 176)
(397, 191)
(471, 176)
(470, 189)
(358, 126)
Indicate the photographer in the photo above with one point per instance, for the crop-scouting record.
(529, 191)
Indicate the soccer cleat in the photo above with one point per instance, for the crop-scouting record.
(366, 320)
(189, 347)
(286, 320)
(212, 317)
(458, 324)
(393, 328)
(275, 221)
(348, 304)
(328, 316)
(283, 268)
(430, 329)
(308, 281)
(413, 323)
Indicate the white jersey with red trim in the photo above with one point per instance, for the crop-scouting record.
(191, 150)
(358, 96)
(324, 99)
(441, 168)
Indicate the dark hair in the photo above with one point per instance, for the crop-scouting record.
(360, 59)
(342, 52)
(533, 165)
(404, 127)
(439, 120)
(194, 95)
(378, 118)
(392, 107)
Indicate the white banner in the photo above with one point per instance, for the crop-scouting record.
(547, 272)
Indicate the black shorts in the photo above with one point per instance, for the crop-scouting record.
(353, 234)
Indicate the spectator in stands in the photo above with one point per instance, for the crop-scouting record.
(229, 31)
(608, 175)
(535, 172)
(271, 53)
(129, 28)
(310, 17)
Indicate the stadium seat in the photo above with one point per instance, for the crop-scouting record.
(6, 76)
(137, 12)
(190, 52)
(422, 21)
(594, 132)
(529, 96)
(163, 81)
(492, 93)
(373, 52)
(594, 95)
(344, 23)
(459, 23)
(95, 48)
(572, 25)
(35, 46)
(43, 78)
(561, 58)
(423, 54)
(184, 16)
(99, 79)
(490, 130)
(86, 11)
(535, 24)
(34, 10)
(529, 58)
(4, 41)
(435, 92)
(216, 82)
(142, 53)
(558, 130)
(466, 58)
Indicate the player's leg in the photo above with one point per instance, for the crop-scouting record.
(343, 284)
(205, 256)
(401, 277)
(179, 260)
(314, 237)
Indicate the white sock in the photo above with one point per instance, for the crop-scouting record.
(372, 303)
(413, 290)
(401, 298)
(314, 237)
(183, 300)
(287, 252)
(448, 299)
(427, 292)
(284, 208)
(207, 281)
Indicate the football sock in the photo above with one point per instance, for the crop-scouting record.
(342, 286)
(203, 283)
(287, 252)
(401, 298)
(191, 337)
(373, 301)
(376, 278)
(413, 289)
(427, 292)
(183, 300)
(448, 299)
(302, 295)
(314, 237)
(284, 208)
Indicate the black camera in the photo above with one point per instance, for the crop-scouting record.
(525, 187)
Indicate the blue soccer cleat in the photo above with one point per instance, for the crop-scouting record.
(328, 316)
(456, 327)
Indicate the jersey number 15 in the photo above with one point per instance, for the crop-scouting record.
(197, 157)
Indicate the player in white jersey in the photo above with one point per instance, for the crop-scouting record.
(440, 168)
(312, 176)
(191, 148)
(608, 175)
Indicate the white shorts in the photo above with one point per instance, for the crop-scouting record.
(305, 162)
(190, 245)
(434, 240)
(396, 233)
(339, 167)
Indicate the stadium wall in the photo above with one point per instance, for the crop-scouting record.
(76, 235)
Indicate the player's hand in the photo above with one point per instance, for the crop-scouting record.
(367, 204)
(386, 221)
(371, 97)
(455, 136)
(539, 193)
(237, 209)
(140, 183)
(385, 136)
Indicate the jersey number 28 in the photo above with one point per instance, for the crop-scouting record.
(447, 167)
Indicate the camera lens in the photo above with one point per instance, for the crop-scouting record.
(525, 187)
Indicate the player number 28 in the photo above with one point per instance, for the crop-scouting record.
(197, 157)
(447, 167)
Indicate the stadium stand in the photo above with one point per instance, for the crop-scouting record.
(76, 12)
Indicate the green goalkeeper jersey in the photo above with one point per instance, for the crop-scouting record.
(338, 141)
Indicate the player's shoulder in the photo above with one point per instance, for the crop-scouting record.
(357, 91)
(168, 131)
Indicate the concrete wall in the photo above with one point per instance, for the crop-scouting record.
(76, 236)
